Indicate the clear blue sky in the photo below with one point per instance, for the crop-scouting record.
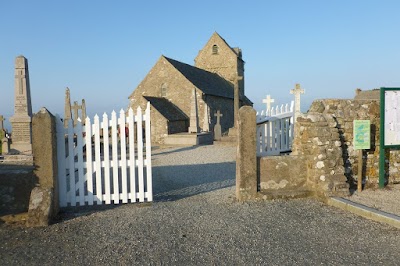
(101, 50)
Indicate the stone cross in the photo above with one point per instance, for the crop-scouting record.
(236, 99)
(21, 121)
(268, 100)
(67, 107)
(194, 118)
(297, 91)
(75, 109)
(217, 127)
(1, 122)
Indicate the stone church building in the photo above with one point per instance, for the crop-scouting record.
(170, 85)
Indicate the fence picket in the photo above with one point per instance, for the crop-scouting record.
(71, 165)
(106, 160)
(98, 183)
(96, 129)
(123, 156)
(89, 161)
(132, 157)
(114, 162)
(140, 153)
(62, 183)
(148, 156)
(79, 147)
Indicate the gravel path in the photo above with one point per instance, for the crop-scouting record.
(196, 221)
(386, 199)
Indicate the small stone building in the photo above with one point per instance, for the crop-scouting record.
(169, 88)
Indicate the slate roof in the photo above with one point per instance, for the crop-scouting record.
(208, 82)
(166, 108)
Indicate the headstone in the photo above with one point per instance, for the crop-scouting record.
(21, 120)
(217, 127)
(67, 108)
(268, 100)
(5, 145)
(297, 91)
(73, 110)
(194, 118)
(1, 122)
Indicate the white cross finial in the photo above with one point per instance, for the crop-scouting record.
(297, 91)
(268, 102)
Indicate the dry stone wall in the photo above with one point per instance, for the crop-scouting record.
(317, 140)
(344, 112)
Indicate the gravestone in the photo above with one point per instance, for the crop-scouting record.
(268, 100)
(297, 91)
(217, 127)
(194, 118)
(21, 120)
(73, 110)
(67, 107)
(1, 122)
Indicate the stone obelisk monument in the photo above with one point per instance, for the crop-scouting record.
(21, 120)
(194, 118)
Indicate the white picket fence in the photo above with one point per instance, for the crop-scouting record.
(99, 164)
(275, 130)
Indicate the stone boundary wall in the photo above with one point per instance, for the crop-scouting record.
(344, 112)
(323, 160)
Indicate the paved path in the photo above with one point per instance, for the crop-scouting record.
(196, 221)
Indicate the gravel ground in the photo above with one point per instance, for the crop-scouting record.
(386, 199)
(196, 221)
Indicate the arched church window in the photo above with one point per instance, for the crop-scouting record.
(163, 90)
(215, 49)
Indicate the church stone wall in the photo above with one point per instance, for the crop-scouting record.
(158, 126)
(225, 106)
(225, 63)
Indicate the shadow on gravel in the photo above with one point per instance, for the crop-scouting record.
(154, 150)
(180, 181)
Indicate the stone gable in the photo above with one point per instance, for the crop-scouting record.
(218, 57)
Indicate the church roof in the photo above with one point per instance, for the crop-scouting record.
(208, 82)
(166, 108)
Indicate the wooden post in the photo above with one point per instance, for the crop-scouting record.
(360, 167)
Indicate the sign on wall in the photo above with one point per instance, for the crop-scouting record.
(361, 134)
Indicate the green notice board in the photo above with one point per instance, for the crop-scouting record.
(389, 127)
(362, 134)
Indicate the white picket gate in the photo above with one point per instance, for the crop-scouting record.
(275, 131)
(99, 164)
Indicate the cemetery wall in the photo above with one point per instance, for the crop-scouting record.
(323, 158)
(344, 112)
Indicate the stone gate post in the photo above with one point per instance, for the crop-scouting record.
(246, 157)
(43, 204)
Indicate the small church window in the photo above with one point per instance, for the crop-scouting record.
(163, 90)
(215, 49)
